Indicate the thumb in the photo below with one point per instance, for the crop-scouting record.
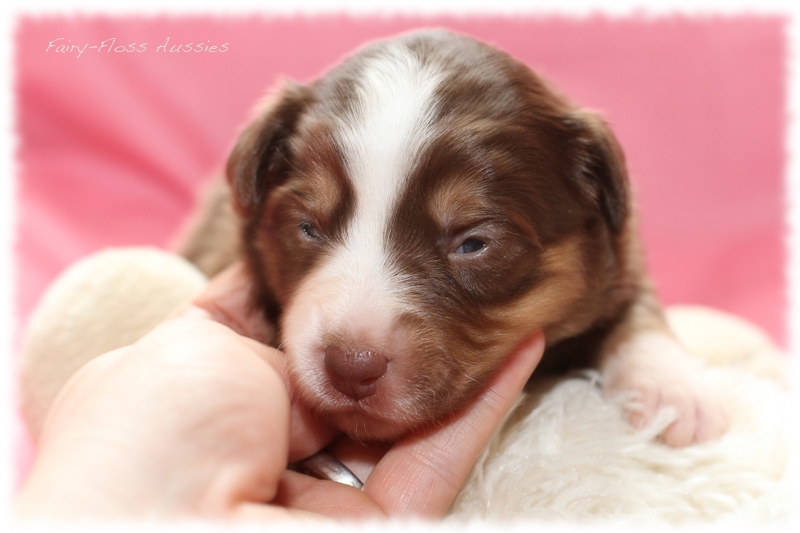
(227, 300)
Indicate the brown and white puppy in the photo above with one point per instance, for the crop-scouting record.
(414, 214)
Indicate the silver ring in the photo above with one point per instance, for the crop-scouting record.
(325, 466)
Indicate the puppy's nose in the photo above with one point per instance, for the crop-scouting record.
(354, 372)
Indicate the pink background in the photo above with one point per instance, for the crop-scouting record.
(113, 145)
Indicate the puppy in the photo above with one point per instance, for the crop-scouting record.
(415, 213)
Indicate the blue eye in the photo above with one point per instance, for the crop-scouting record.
(470, 246)
(309, 230)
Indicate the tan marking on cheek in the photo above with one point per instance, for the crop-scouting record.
(551, 303)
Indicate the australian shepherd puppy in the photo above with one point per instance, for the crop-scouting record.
(415, 213)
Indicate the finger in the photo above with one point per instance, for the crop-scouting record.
(421, 475)
(308, 434)
(227, 299)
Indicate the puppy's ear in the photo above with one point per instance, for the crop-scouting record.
(601, 174)
(261, 156)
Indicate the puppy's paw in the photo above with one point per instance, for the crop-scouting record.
(661, 374)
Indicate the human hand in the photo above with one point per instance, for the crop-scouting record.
(194, 421)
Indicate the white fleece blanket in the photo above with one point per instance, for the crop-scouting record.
(563, 454)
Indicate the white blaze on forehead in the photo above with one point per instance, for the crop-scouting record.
(353, 293)
(382, 139)
(389, 125)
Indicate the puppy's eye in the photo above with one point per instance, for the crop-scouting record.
(308, 229)
(470, 246)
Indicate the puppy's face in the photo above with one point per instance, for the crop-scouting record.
(414, 215)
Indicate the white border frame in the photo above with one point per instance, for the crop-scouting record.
(573, 8)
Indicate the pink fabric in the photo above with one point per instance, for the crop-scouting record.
(113, 143)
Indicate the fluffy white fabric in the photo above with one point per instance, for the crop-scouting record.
(563, 454)
(103, 302)
(567, 453)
